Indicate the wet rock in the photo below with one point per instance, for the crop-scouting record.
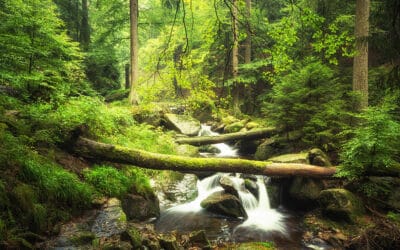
(224, 204)
(246, 147)
(199, 239)
(140, 208)
(227, 184)
(187, 150)
(184, 124)
(111, 220)
(168, 242)
(251, 186)
(133, 236)
(340, 204)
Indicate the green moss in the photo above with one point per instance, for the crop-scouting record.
(234, 127)
(82, 238)
(291, 158)
(256, 245)
(133, 235)
(39, 218)
(25, 197)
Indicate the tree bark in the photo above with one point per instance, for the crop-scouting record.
(133, 4)
(249, 135)
(85, 28)
(247, 42)
(235, 58)
(360, 64)
(106, 152)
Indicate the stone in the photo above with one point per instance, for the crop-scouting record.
(199, 238)
(304, 192)
(340, 205)
(183, 124)
(318, 158)
(234, 127)
(187, 150)
(227, 184)
(251, 186)
(168, 242)
(140, 208)
(133, 236)
(291, 158)
(224, 204)
(111, 220)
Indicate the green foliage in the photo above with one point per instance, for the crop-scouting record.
(108, 180)
(309, 99)
(141, 182)
(393, 216)
(38, 59)
(375, 145)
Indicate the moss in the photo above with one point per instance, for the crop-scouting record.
(39, 217)
(122, 218)
(25, 197)
(234, 127)
(256, 245)
(252, 125)
(291, 158)
(133, 235)
(83, 238)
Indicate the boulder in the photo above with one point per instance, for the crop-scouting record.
(251, 186)
(225, 204)
(111, 220)
(183, 124)
(227, 184)
(199, 238)
(340, 204)
(140, 208)
(304, 192)
(291, 158)
(318, 158)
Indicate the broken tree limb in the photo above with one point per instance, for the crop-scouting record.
(114, 153)
(248, 135)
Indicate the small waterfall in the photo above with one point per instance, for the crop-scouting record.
(260, 215)
(224, 149)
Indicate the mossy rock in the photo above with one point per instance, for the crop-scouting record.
(168, 242)
(304, 192)
(256, 245)
(183, 124)
(291, 158)
(229, 120)
(252, 125)
(340, 205)
(234, 127)
(133, 236)
(318, 158)
(224, 204)
(187, 150)
(82, 238)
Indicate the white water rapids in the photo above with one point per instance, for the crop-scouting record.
(260, 214)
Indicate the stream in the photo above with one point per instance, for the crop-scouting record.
(263, 223)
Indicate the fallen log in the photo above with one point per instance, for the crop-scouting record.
(114, 153)
(248, 135)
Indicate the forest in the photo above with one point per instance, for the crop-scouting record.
(213, 124)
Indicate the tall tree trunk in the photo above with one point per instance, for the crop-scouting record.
(235, 58)
(247, 42)
(134, 9)
(360, 66)
(127, 76)
(84, 38)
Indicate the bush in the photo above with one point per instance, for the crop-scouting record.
(375, 145)
(108, 180)
(310, 100)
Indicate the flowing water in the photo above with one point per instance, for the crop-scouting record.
(263, 222)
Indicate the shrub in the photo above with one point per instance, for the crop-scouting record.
(375, 145)
(309, 99)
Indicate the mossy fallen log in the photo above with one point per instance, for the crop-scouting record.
(114, 153)
(248, 135)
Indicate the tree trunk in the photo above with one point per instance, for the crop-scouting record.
(127, 76)
(249, 135)
(235, 58)
(133, 97)
(85, 29)
(360, 64)
(247, 42)
(107, 152)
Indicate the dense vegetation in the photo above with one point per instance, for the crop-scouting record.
(293, 69)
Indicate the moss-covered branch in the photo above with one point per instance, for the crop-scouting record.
(107, 152)
(248, 135)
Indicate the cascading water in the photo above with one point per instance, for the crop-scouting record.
(260, 215)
